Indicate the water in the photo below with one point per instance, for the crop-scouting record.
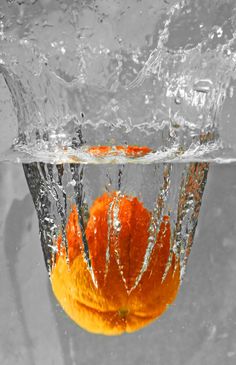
(164, 189)
(148, 83)
(93, 213)
(198, 327)
(80, 88)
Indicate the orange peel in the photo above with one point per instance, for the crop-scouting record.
(128, 151)
(119, 292)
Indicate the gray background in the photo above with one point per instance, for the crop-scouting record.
(200, 328)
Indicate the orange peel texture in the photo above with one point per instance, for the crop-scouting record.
(113, 296)
(128, 151)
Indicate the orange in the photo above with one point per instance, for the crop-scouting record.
(117, 293)
(128, 151)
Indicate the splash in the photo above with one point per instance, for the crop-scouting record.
(116, 259)
(107, 98)
(81, 74)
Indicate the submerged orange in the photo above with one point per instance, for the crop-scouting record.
(121, 288)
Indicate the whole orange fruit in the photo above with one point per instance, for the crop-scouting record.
(120, 287)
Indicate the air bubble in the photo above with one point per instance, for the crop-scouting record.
(203, 86)
(178, 100)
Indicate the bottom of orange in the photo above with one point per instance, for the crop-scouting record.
(103, 320)
(119, 292)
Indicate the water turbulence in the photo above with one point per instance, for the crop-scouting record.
(115, 238)
(119, 113)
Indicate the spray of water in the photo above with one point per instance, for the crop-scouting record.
(107, 98)
(80, 76)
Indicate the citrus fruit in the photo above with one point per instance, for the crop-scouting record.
(128, 151)
(114, 280)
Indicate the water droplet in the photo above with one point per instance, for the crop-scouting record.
(203, 86)
(219, 32)
(19, 21)
(147, 100)
(63, 50)
(178, 100)
(211, 35)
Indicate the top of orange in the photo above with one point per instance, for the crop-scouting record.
(121, 288)
(128, 151)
